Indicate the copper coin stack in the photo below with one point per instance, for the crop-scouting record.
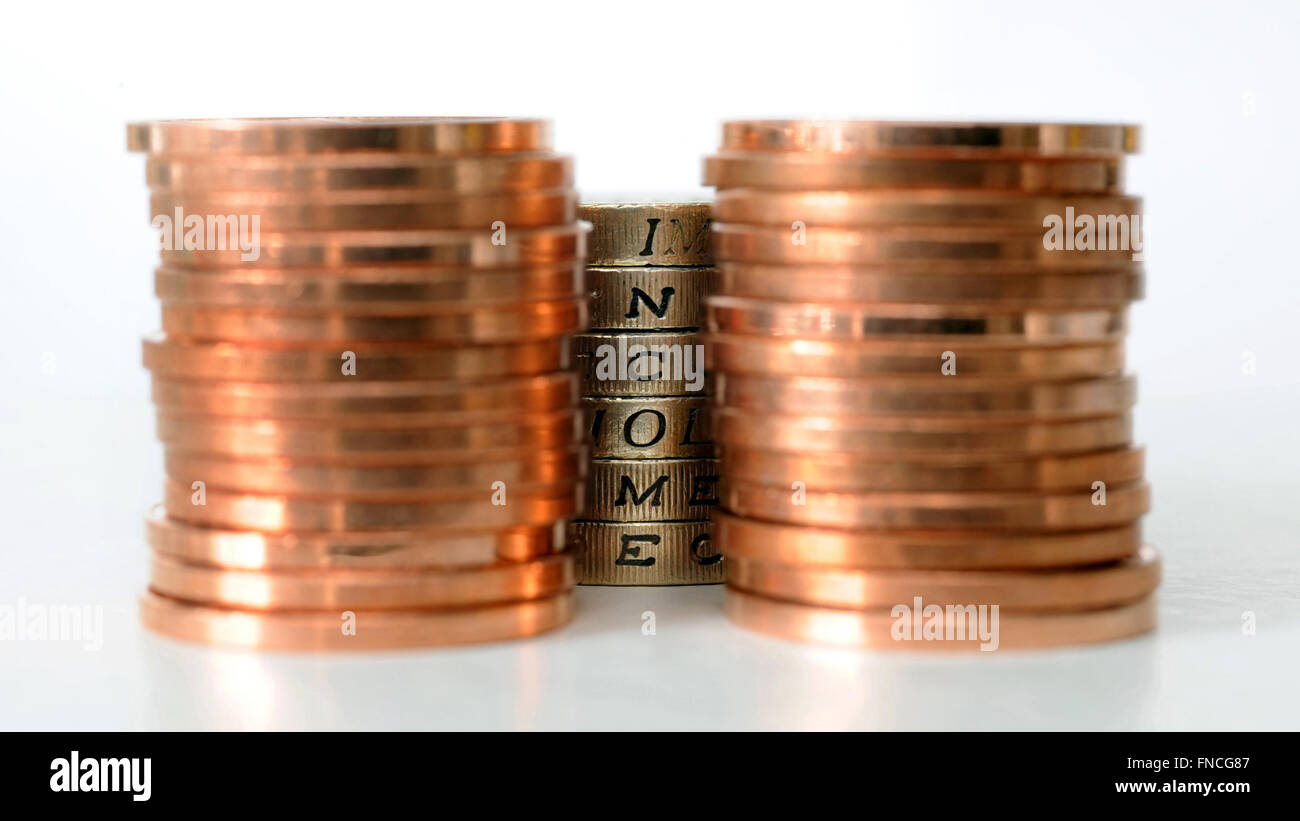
(653, 475)
(920, 397)
(363, 386)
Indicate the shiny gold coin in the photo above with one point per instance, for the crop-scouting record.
(1078, 510)
(932, 139)
(645, 299)
(806, 546)
(651, 363)
(357, 550)
(648, 427)
(352, 190)
(650, 490)
(855, 473)
(309, 135)
(799, 171)
(477, 510)
(170, 358)
(362, 631)
(846, 283)
(648, 233)
(883, 629)
(508, 322)
(949, 360)
(656, 553)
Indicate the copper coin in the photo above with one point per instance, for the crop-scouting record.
(309, 135)
(846, 283)
(372, 404)
(518, 470)
(837, 321)
(987, 399)
(357, 550)
(484, 509)
(966, 510)
(170, 358)
(937, 139)
(487, 247)
(934, 249)
(1070, 588)
(878, 628)
(351, 631)
(393, 291)
(939, 360)
(805, 546)
(506, 322)
(358, 446)
(943, 440)
(853, 473)
(339, 589)
(352, 190)
(733, 169)
(891, 207)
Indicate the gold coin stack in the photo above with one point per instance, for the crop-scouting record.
(652, 478)
(917, 337)
(363, 387)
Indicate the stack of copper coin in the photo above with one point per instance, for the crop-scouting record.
(363, 386)
(653, 478)
(917, 337)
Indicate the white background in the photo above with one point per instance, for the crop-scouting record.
(637, 92)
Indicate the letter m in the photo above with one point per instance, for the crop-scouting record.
(628, 487)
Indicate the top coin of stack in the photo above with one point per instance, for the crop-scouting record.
(363, 386)
(917, 337)
(653, 477)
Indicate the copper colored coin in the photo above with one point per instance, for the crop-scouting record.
(388, 292)
(1072, 588)
(325, 443)
(805, 546)
(933, 139)
(353, 190)
(876, 321)
(884, 207)
(362, 589)
(522, 209)
(847, 283)
(986, 399)
(506, 322)
(852, 473)
(476, 510)
(882, 629)
(518, 470)
(352, 631)
(490, 246)
(310, 135)
(170, 358)
(356, 550)
(735, 169)
(940, 440)
(372, 404)
(966, 510)
(932, 249)
(944, 359)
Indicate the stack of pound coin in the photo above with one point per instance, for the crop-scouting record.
(653, 474)
(923, 417)
(364, 382)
